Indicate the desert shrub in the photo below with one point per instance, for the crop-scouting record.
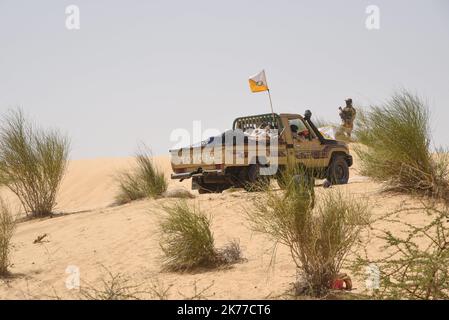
(187, 240)
(396, 139)
(319, 236)
(7, 226)
(114, 286)
(291, 178)
(230, 253)
(119, 286)
(416, 265)
(146, 180)
(32, 162)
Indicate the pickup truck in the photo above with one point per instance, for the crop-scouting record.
(258, 148)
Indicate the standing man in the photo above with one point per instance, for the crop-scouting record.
(347, 115)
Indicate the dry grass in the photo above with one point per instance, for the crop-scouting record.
(396, 138)
(32, 162)
(7, 226)
(146, 180)
(188, 243)
(118, 286)
(319, 237)
(230, 253)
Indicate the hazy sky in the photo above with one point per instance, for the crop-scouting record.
(136, 70)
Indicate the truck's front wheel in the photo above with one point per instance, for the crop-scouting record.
(338, 171)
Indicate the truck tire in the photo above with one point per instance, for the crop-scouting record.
(208, 187)
(203, 191)
(338, 171)
(255, 181)
(211, 188)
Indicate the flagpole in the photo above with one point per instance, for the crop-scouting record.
(271, 102)
(271, 105)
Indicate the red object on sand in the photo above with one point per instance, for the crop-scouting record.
(342, 282)
(338, 284)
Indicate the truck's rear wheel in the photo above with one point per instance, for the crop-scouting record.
(255, 181)
(208, 187)
(338, 171)
(211, 188)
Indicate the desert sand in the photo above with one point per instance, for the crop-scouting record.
(95, 236)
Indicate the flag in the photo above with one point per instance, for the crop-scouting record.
(258, 82)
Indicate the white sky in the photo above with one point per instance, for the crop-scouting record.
(136, 70)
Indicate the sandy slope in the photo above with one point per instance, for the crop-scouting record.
(124, 239)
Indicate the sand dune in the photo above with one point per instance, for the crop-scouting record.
(124, 239)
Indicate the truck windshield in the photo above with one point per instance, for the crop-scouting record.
(298, 123)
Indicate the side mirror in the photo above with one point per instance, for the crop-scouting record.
(307, 115)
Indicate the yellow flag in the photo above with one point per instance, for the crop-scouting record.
(258, 82)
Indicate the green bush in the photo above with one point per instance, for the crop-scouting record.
(7, 226)
(416, 260)
(146, 180)
(396, 139)
(32, 162)
(319, 236)
(188, 242)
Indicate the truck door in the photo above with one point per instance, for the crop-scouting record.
(306, 144)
